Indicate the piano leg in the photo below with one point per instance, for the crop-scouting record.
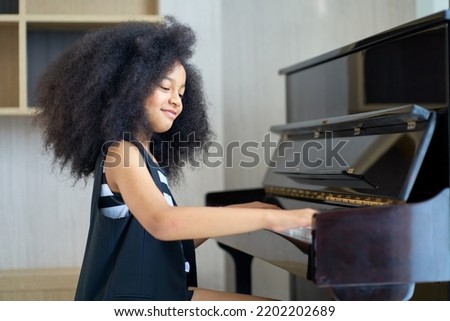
(243, 269)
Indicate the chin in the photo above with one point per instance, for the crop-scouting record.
(162, 129)
(161, 126)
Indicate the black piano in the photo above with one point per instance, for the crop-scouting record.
(366, 143)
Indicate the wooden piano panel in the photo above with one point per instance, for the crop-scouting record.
(377, 245)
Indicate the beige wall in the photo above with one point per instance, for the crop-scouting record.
(242, 45)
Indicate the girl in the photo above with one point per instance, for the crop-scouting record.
(125, 104)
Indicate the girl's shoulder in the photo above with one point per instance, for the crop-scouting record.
(122, 154)
(129, 153)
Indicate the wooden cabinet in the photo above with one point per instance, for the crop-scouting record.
(33, 32)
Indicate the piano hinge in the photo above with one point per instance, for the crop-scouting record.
(317, 133)
(411, 124)
(356, 131)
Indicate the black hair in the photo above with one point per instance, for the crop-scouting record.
(94, 93)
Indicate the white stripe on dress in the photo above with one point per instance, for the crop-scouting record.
(115, 212)
(168, 198)
(163, 178)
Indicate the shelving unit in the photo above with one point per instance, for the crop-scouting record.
(33, 32)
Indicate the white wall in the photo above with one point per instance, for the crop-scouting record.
(44, 215)
(426, 7)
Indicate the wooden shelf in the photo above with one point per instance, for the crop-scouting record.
(28, 28)
(89, 7)
(9, 64)
(16, 111)
(8, 19)
(84, 21)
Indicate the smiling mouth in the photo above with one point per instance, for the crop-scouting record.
(171, 114)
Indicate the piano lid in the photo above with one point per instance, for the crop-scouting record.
(368, 158)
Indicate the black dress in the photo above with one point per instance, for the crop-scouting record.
(122, 261)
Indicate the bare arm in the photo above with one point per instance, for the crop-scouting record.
(127, 174)
(260, 205)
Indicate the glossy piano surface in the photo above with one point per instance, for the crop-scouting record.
(405, 65)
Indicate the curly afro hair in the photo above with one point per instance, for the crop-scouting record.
(94, 93)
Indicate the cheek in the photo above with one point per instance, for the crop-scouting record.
(154, 98)
(149, 101)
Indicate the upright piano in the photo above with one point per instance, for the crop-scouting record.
(366, 143)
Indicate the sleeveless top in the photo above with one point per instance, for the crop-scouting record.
(122, 261)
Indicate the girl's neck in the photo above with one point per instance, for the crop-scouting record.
(145, 142)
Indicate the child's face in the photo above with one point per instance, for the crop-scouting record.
(164, 104)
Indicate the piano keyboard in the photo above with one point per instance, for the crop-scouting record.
(302, 234)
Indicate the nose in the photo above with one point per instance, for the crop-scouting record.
(175, 100)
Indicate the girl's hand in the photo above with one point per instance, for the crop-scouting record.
(290, 219)
(283, 219)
